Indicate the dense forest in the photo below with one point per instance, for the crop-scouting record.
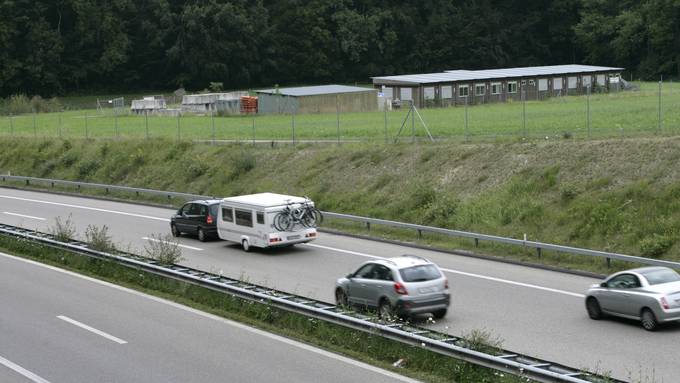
(63, 46)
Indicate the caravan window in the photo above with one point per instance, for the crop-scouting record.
(244, 217)
(227, 214)
(260, 218)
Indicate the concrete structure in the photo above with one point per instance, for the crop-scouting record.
(149, 104)
(316, 99)
(458, 87)
(213, 102)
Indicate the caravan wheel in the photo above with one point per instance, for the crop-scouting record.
(246, 245)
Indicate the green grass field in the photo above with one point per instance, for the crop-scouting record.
(623, 114)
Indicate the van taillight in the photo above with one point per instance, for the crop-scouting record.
(209, 220)
(664, 303)
(274, 240)
(400, 289)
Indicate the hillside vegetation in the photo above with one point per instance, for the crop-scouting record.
(615, 195)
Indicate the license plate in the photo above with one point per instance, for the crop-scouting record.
(293, 237)
(426, 290)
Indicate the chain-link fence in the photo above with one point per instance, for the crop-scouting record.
(653, 109)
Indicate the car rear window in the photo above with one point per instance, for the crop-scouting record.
(213, 209)
(420, 273)
(657, 277)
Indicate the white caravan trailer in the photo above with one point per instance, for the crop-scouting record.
(249, 220)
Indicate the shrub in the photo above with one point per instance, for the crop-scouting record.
(568, 192)
(655, 246)
(483, 341)
(63, 231)
(164, 249)
(99, 239)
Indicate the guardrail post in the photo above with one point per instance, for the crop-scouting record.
(609, 262)
(52, 184)
(420, 234)
(368, 226)
(107, 190)
(78, 187)
(538, 252)
(137, 193)
(27, 182)
(476, 242)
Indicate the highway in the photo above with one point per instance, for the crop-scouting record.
(536, 312)
(58, 326)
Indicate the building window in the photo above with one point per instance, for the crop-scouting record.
(557, 83)
(479, 89)
(512, 87)
(496, 88)
(542, 84)
(571, 82)
(600, 79)
(586, 81)
(244, 217)
(446, 91)
(406, 94)
(227, 214)
(462, 91)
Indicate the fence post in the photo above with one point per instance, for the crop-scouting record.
(115, 122)
(35, 126)
(86, 133)
(293, 123)
(386, 139)
(178, 118)
(212, 123)
(11, 126)
(466, 118)
(659, 123)
(146, 123)
(588, 110)
(337, 116)
(253, 129)
(413, 122)
(524, 111)
(60, 123)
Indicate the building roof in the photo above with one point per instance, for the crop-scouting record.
(316, 90)
(265, 199)
(488, 74)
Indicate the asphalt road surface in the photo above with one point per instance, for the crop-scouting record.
(57, 326)
(535, 312)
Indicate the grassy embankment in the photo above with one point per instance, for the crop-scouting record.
(614, 195)
(612, 115)
(417, 362)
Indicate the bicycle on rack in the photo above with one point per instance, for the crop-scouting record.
(304, 214)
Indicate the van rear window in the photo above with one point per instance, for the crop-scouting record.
(420, 273)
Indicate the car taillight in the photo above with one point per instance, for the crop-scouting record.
(209, 220)
(664, 303)
(446, 284)
(400, 289)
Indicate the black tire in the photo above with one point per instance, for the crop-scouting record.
(439, 314)
(385, 311)
(175, 231)
(593, 308)
(648, 319)
(245, 245)
(341, 298)
(201, 235)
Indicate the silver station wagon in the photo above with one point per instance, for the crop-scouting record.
(396, 287)
(648, 294)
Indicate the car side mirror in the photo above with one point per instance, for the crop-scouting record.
(350, 276)
(603, 284)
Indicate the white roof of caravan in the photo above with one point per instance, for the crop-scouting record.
(265, 199)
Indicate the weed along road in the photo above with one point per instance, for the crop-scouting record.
(57, 326)
(535, 312)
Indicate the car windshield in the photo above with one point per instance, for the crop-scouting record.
(420, 273)
(657, 277)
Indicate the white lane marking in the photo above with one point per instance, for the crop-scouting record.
(91, 329)
(86, 208)
(24, 216)
(240, 326)
(13, 366)
(462, 273)
(185, 246)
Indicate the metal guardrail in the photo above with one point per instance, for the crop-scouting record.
(538, 246)
(445, 344)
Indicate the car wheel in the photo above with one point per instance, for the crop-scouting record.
(649, 321)
(341, 298)
(201, 235)
(385, 311)
(593, 308)
(245, 245)
(175, 231)
(439, 314)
